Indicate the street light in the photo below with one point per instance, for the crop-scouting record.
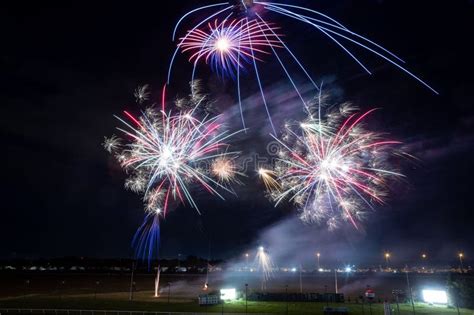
(130, 296)
(326, 295)
(169, 292)
(387, 258)
(27, 283)
(246, 293)
(423, 258)
(97, 283)
(461, 257)
(318, 255)
(61, 288)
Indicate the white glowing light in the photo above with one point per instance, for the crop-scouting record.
(435, 296)
(228, 294)
(222, 44)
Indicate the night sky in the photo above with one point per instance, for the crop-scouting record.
(66, 70)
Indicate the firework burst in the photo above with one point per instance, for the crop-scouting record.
(167, 154)
(225, 170)
(228, 45)
(142, 94)
(334, 30)
(111, 144)
(333, 168)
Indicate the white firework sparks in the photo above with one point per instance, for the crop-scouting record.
(111, 144)
(142, 94)
(332, 168)
(168, 154)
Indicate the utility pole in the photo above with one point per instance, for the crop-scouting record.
(301, 281)
(130, 298)
(457, 305)
(326, 297)
(398, 302)
(246, 293)
(335, 280)
(27, 283)
(96, 289)
(369, 300)
(461, 256)
(363, 309)
(410, 290)
(169, 292)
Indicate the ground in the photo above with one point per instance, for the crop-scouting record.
(110, 292)
(144, 301)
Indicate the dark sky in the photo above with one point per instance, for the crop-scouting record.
(66, 70)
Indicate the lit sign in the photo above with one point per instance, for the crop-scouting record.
(228, 294)
(435, 296)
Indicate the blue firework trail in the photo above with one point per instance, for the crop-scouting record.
(146, 240)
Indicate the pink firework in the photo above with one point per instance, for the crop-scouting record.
(228, 45)
(167, 154)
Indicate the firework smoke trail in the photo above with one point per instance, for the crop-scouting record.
(332, 168)
(264, 265)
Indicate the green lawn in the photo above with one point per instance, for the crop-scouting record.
(144, 302)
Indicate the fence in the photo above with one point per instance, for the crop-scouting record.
(85, 312)
(36, 311)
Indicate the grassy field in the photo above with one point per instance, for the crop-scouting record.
(144, 301)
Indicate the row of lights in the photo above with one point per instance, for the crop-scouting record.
(387, 255)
